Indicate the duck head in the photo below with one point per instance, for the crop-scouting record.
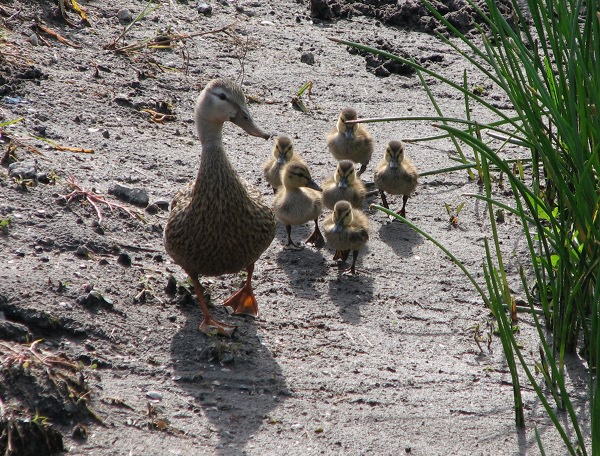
(223, 101)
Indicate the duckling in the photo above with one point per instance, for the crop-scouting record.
(396, 175)
(344, 185)
(346, 229)
(350, 142)
(283, 152)
(218, 224)
(299, 202)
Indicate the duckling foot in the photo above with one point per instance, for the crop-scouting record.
(210, 326)
(290, 244)
(316, 238)
(294, 247)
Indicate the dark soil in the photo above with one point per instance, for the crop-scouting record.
(400, 359)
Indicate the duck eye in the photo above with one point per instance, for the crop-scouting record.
(222, 96)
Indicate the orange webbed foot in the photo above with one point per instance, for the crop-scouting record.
(243, 302)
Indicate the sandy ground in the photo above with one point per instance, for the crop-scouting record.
(384, 363)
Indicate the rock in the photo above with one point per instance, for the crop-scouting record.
(9, 330)
(124, 259)
(154, 395)
(308, 58)
(94, 299)
(124, 15)
(132, 195)
(204, 8)
(24, 169)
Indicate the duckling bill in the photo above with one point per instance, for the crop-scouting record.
(218, 224)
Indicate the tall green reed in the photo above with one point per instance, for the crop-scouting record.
(547, 64)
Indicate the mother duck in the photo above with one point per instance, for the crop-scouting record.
(218, 224)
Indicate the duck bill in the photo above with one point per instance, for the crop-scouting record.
(349, 133)
(243, 119)
(343, 183)
(281, 160)
(312, 184)
(394, 163)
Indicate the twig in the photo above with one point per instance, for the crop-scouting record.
(95, 199)
(58, 36)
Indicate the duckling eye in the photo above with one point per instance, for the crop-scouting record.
(222, 96)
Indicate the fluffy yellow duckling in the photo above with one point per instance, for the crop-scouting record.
(218, 224)
(283, 152)
(344, 185)
(350, 142)
(396, 175)
(346, 229)
(298, 202)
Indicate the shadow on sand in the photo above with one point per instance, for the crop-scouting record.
(236, 382)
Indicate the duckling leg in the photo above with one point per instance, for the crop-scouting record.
(243, 301)
(209, 324)
(404, 200)
(383, 199)
(290, 244)
(341, 255)
(353, 267)
(316, 238)
(363, 168)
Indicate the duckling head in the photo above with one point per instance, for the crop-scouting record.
(394, 153)
(220, 101)
(342, 215)
(343, 127)
(296, 175)
(345, 174)
(283, 149)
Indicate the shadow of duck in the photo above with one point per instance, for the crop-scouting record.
(235, 382)
(349, 293)
(400, 237)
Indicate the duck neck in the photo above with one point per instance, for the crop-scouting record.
(214, 165)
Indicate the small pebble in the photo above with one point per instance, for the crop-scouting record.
(308, 58)
(154, 395)
(204, 8)
(33, 39)
(124, 15)
(124, 259)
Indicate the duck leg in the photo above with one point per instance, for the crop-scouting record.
(209, 324)
(243, 301)
(290, 244)
(316, 238)
(341, 255)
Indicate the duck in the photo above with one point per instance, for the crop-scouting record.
(344, 185)
(346, 229)
(396, 175)
(350, 141)
(283, 152)
(218, 224)
(298, 202)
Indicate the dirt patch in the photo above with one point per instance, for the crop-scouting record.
(387, 362)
